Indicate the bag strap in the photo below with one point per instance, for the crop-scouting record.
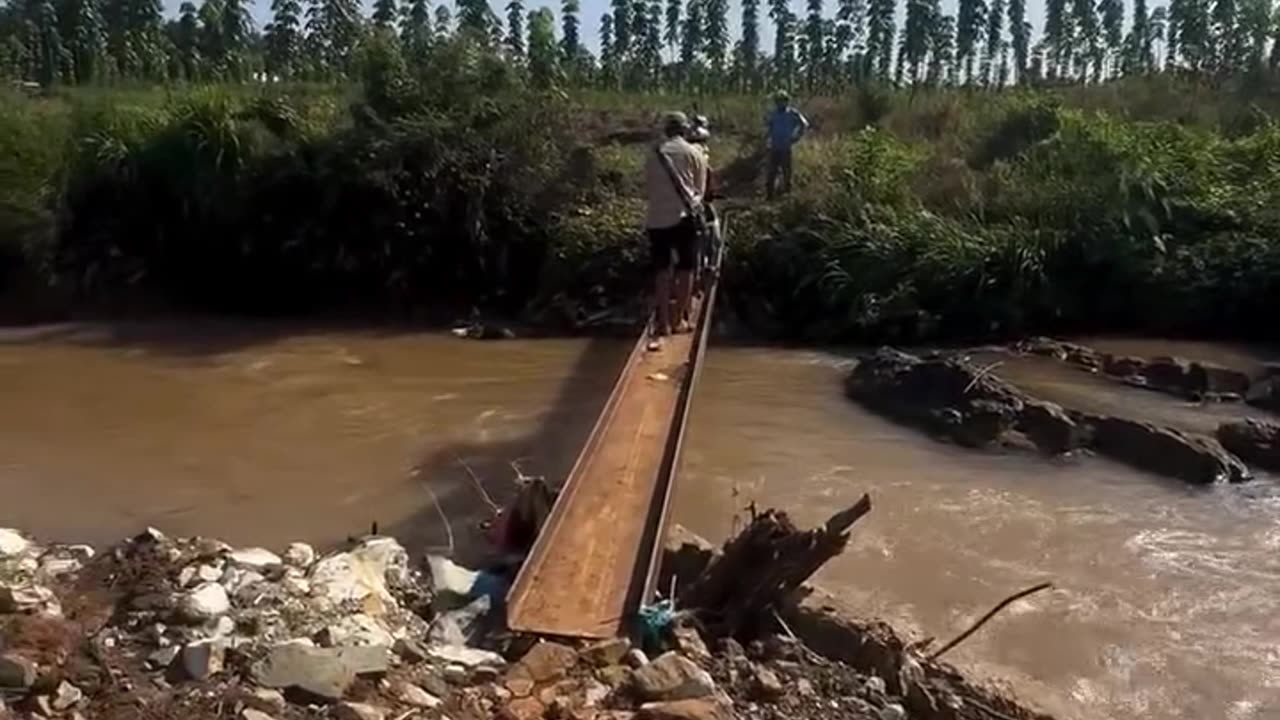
(675, 182)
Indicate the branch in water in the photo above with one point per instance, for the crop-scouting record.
(990, 614)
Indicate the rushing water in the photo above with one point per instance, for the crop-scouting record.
(1166, 596)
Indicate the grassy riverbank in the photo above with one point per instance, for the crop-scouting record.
(1147, 204)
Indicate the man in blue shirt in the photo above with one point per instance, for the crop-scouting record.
(786, 127)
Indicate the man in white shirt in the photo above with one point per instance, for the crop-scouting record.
(676, 183)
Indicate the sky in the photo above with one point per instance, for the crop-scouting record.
(593, 9)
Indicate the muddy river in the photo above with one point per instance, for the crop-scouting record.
(1167, 595)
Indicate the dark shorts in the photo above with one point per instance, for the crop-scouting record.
(676, 245)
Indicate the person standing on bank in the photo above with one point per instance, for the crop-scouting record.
(675, 184)
(786, 126)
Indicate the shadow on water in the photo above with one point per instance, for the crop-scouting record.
(549, 451)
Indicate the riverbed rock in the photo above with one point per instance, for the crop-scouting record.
(12, 543)
(16, 671)
(256, 558)
(163, 657)
(206, 602)
(696, 709)
(66, 696)
(1255, 441)
(203, 659)
(1166, 451)
(360, 576)
(410, 650)
(1265, 393)
(358, 711)
(299, 555)
(412, 695)
(1050, 427)
(766, 685)
(949, 396)
(467, 657)
(606, 652)
(325, 673)
(29, 598)
(672, 677)
(1207, 377)
(545, 662)
(252, 714)
(355, 630)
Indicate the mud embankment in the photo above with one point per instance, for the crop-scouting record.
(953, 396)
(192, 628)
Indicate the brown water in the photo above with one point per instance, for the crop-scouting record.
(1166, 595)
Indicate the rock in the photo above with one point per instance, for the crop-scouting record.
(686, 557)
(294, 583)
(12, 543)
(635, 659)
(875, 687)
(150, 535)
(204, 603)
(1253, 440)
(606, 652)
(732, 649)
(415, 696)
(1265, 393)
(804, 687)
(66, 696)
(17, 672)
(594, 693)
(323, 672)
(358, 711)
(458, 626)
(892, 711)
(410, 650)
(251, 714)
(524, 709)
(56, 564)
(699, 709)
(485, 674)
(615, 676)
(689, 642)
(162, 658)
(29, 598)
(548, 661)
(518, 683)
(766, 685)
(203, 659)
(1210, 378)
(269, 698)
(450, 577)
(1169, 374)
(1123, 365)
(355, 630)
(950, 396)
(465, 656)
(256, 558)
(1049, 427)
(673, 677)
(360, 576)
(299, 555)
(455, 674)
(434, 684)
(1165, 451)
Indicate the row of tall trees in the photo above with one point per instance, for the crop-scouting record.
(647, 44)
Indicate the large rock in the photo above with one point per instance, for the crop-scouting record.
(361, 575)
(355, 630)
(1050, 427)
(547, 662)
(1210, 378)
(259, 559)
(606, 652)
(1166, 451)
(673, 677)
(699, 709)
(203, 659)
(325, 673)
(12, 543)
(950, 396)
(1256, 441)
(29, 598)
(206, 602)
(1265, 393)
(16, 672)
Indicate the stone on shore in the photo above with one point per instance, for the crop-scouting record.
(358, 711)
(204, 603)
(299, 555)
(355, 630)
(66, 696)
(466, 656)
(546, 662)
(12, 543)
(29, 598)
(17, 672)
(673, 677)
(322, 672)
(251, 714)
(411, 694)
(606, 652)
(203, 659)
(767, 685)
(259, 559)
(697, 709)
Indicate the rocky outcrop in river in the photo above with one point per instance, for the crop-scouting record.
(951, 396)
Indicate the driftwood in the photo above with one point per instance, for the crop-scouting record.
(763, 565)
